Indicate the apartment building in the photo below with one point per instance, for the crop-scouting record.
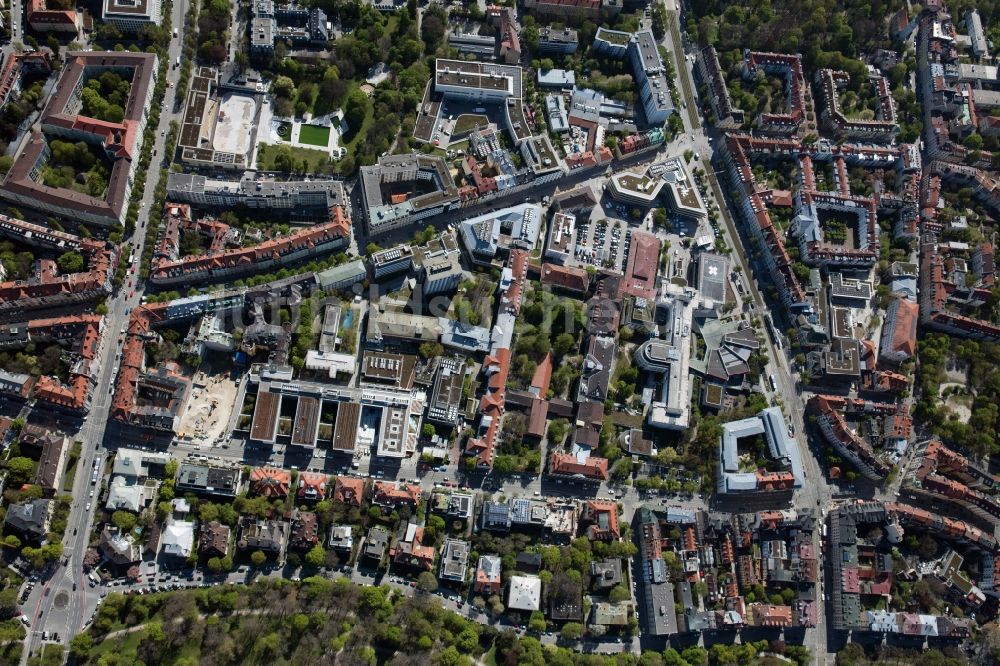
(121, 142)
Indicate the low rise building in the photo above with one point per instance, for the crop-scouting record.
(525, 593)
(600, 519)
(557, 41)
(119, 549)
(267, 536)
(393, 495)
(206, 479)
(177, 539)
(29, 519)
(270, 482)
(312, 486)
(488, 580)
(342, 539)
(305, 531)
(349, 490)
(454, 561)
(213, 539)
(605, 574)
(376, 545)
(587, 469)
(410, 551)
(566, 278)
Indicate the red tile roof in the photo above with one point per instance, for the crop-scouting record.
(312, 485)
(100, 260)
(485, 582)
(271, 482)
(543, 374)
(774, 480)
(565, 464)
(388, 493)
(275, 250)
(496, 367)
(518, 264)
(42, 18)
(566, 277)
(413, 553)
(643, 261)
(84, 330)
(491, 404)
(767, 615)
(349, 490)
(904, 329)
(602, 520)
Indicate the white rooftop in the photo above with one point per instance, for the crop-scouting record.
(525, 593)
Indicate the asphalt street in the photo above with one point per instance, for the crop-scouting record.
(64, 602)
(816, 493)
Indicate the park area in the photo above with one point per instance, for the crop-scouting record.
(297, 160)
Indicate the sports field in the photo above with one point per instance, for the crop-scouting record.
(314, 135)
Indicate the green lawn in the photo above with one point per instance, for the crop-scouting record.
(285, 131)
(356, 133)
(467, 121)
(267, 155)
(314, 135)
(70, 474)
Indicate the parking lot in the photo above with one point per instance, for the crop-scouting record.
(602, 241)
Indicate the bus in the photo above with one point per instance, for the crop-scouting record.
(772, 331)
(131, 258)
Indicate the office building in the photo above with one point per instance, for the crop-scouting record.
(129, 16)
(475, 81)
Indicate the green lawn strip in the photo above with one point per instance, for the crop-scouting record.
(70, 475)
